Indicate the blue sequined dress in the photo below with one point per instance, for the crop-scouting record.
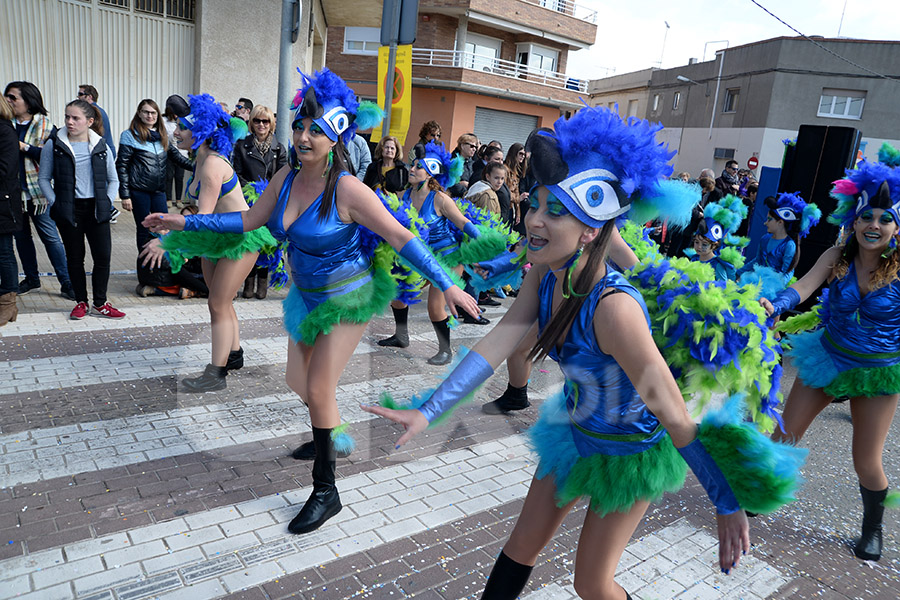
(334, 280)
(857, 352)
(598, 438)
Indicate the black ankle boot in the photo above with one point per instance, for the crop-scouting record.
(444, 353)
(868, 546)
(324, 501)
(507, 579)
(249, 284)
(512, 399)
(235, 360)
(400, 339)
(307, 451)
(213, 379)
(262, 284)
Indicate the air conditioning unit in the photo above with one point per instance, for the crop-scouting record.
(724, 153)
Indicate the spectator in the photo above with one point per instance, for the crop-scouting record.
(78, 177)
(242, 109)
(487, 154)
(729, 183)
(387, 159)
(707, 173)
(10, 212)
(483, 194)
(359, 157)
(466, 146)
(515, 165)
(174, 171)
(34, 127)
(161, 281)
(144, 151)
(258, 157)
(89, 94)
(684, 176)
(430, 132)
(750, 201)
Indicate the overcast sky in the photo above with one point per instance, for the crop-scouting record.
(630, 33)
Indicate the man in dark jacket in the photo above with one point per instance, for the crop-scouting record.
(728, 183)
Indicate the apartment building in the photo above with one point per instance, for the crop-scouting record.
(743, 103)
(492, 67)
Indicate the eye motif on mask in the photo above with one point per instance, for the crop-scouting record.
(597, 193)
(338, 119)
(716, 232)
(786, 214)
(432, 165)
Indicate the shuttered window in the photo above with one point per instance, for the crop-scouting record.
(506, 127)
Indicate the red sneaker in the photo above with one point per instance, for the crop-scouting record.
(107, 311)
(79, 312)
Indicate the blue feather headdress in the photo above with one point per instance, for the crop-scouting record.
(721, 220)
(325, 98)
(600, 167)
(208, 121)
(869, 185)
(439, 163)
(797, 214)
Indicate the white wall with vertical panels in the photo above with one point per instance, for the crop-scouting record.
(127, 55)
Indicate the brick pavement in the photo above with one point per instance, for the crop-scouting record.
(116, 486)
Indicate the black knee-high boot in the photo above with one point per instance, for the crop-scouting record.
(444, 353)
(324, 501)
(400, 339)
(868, 546)
(507, 579)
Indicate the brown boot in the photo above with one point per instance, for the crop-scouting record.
(8, 308)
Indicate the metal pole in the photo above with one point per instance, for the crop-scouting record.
(283, 133)
(712, 118)
(392, 63)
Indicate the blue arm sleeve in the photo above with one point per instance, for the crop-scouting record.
(710, 477)
(470, 230)
(790, 249)
(504, 263)
(471, 372)
(231, 222)
(421, 259)
(786, 299)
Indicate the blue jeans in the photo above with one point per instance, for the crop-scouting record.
(46, 229)
(142, 204)
(8, 268)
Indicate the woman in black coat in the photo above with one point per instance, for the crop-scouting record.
(258, 157)
(10, 212)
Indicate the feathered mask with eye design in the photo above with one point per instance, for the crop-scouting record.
(207, 120)
(601, 167)
(796, 213)
(438, 163)
(326, 99)
(870, 185)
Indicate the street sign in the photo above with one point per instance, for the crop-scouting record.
(401, 101)
(406, 27)
(752, 163)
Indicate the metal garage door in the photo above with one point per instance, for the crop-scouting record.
(504, 126)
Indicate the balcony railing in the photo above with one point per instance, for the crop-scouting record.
(427, 57)
(567, 7)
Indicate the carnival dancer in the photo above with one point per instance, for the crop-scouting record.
(431, 173)
(337, 288)
(715, 241)
(616, 431)
(856, 353)
(789, 220)
(209, 133)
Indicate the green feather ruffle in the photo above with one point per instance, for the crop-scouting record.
(182, 245)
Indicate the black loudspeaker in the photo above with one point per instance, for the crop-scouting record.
(821, 156)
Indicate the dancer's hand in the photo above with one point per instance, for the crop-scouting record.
(734, 539)
(152, 254)
(412, 420)
(456, 297)
(767, 306)
(157, 222)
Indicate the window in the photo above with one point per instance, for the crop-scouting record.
(537, 57)
(724, 153)
(656, 100)
(841, 104)
(731, 100)
(632, 108)
(482, 52)
(676, 100)
(362, 40)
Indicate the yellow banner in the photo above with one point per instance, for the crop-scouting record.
(401, 104)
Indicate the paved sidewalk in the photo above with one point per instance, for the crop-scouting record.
(115, 485)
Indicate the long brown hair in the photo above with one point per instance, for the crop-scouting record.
(512, 161)
(142, 131)
(594, 254)
(339, 165)
(887, 272)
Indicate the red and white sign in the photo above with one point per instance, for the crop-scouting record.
(752, 163)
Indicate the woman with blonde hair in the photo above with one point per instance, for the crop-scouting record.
(386, 159)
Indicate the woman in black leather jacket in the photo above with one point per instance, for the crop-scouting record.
(141, 166)
(258, 156)
(10, 212)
